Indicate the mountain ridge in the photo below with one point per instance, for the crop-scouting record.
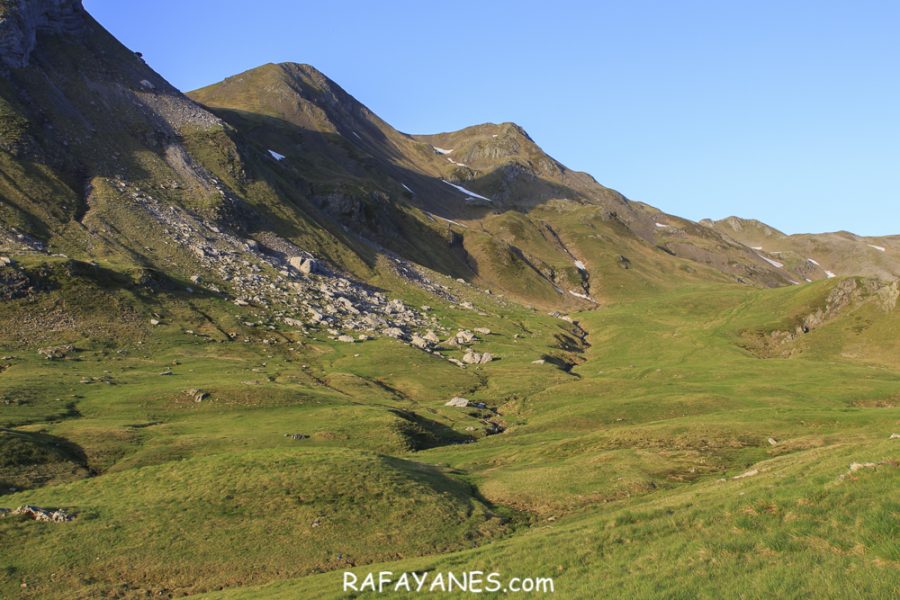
(811, 255)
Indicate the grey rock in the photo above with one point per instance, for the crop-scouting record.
(22, 20)
(43, 514)
(457, 402)
(56, 352)
(471, 357)
(394, 332)
(420, 342)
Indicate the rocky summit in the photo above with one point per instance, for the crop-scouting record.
(254, 339)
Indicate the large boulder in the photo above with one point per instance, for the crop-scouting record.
(303, 264)
(457, 402)
(420, 342)
(471, 357)
(394, 332)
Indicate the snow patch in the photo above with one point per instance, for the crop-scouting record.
(458, 164)
(582, 296)
(774, 263)
(756, 247)
(465, 191)
(406, 187)
(879, 248)
(442, 150)
(357, 135)
(276, 156)
(830, 274)
(662, 225)
(580, 265)
(813, 262)
(434, 216)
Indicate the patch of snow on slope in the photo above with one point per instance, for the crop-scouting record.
(582, 296)
(276, 156)
(830, 274)
(465, 191)
(580, 265)
(357, 135)
(813, 262)
(662, 225)
(774, 263)
(756, 247)
(442, 150)
(458, 164)
(879, 248)
(406, 187)
(434, 216)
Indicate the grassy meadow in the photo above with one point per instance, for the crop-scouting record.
(652, 454)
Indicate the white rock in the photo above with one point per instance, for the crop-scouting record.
(457, 402)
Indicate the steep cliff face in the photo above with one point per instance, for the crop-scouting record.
(22, 20)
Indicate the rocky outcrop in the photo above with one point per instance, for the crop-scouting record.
(22, 20)
(47, 515)
(845, 295)
(56, 352)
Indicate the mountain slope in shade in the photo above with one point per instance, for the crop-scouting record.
(514, 217)
(815, 256)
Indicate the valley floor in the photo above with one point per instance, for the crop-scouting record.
(672, 453)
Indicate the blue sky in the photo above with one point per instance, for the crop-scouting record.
(786, 111)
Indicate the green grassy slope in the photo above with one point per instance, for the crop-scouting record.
(630, 471)
(615, 471)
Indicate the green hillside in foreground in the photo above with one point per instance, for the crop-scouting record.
(253, 337)
(616, 470)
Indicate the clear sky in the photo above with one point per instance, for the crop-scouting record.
(785, 111)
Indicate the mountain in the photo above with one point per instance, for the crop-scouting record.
(254, 340)
(510, 216)
(484, 204)
(815, 256)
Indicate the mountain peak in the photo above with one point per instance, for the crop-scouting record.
(738, 224)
